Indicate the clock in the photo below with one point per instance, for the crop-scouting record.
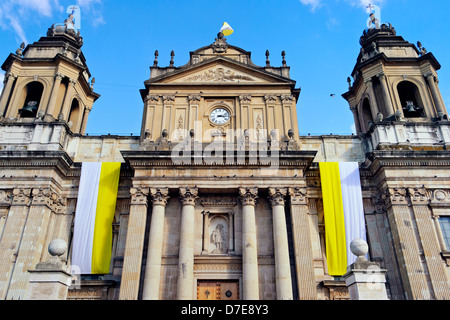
(220, 116)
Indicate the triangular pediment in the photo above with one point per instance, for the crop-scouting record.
(220, 71)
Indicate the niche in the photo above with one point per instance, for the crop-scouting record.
(33, 93)
(410, 100)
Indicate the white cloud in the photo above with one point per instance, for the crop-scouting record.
(315, 4)
(15, 13)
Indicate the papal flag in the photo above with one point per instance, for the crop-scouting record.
(226, 29)
(343, 213)
(96, 204)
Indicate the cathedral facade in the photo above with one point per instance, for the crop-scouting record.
(220, 197)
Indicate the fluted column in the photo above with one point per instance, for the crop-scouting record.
(186, 256)
(386, 95)
(434, 92)
(54, 94)
(303, 244)
(282, 263)
(155, 244)
(9, 80)
(134, 246)
(249, 244)
(68, 99)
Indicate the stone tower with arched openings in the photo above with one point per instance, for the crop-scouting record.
(395, 95)
(48, 83)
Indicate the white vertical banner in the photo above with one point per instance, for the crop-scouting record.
(355, 227)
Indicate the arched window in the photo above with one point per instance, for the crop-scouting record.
(74, 114)
(33, 93)
(366, 114)
(410, 100)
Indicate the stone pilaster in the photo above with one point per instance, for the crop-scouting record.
(54, 95)
(435, 94)
(430, 244)
(386, 95)
(406, 244)
(155, 244)
(12, 233)
(185, 288)
(129, 289)
(249, 244)
(43, 203)
(68, 100)
(282, 263)
(304, 259)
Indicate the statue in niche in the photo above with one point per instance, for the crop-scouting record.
(219, 239)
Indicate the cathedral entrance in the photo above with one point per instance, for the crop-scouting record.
(218, 290)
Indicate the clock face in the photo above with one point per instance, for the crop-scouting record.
(220, 116)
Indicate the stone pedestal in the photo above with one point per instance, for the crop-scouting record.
(49, 280)
(365, 279)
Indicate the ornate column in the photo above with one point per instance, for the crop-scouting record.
(9, 80)
(87, 110)
(435, 94)
(54, 94)
(155, 244)
(12, 233)
(249, 244)
(386, 96)
(405, 244)
(280, 237)
(68, 100)
(373, 100)
(430, 245)
(354, 110)
(134, 246)
(304, 258)
(186, 256)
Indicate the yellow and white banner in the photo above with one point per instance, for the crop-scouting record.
(96, 205)
(343, 213)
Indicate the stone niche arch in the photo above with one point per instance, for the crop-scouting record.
(218, 234)
(410, 99)
(31, 99)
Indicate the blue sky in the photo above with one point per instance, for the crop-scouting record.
(320, 37)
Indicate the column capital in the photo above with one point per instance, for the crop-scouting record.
(381, 75)
(11, 76)
(59, 76)
(73, 82)
(395, 196)
(188, 196)
(277, 195)
(160, 196)
(418, 196)
(46, 197)
(298, 196)
(139, 196)
(368, 82)
(248, 196)
(21, 197)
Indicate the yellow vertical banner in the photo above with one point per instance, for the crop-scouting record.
(106, 207)
(333, 207)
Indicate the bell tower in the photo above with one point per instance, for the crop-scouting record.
(48, 81)
(395, 95)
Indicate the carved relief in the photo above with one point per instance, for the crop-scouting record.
(218, 75)
(245, 98)
(194, 98)
(218, 230)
